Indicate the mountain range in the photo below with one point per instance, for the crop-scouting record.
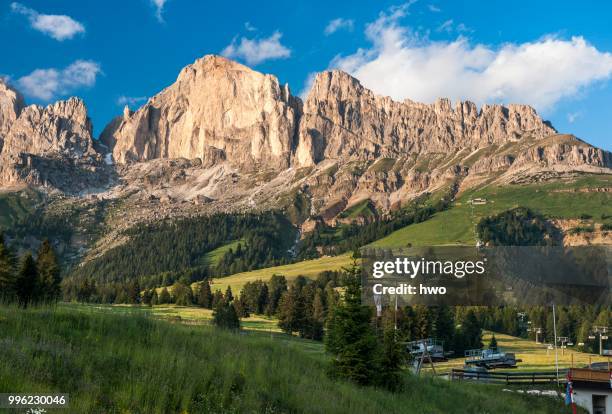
(226, 138)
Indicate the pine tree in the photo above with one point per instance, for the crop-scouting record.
(390, 373)
(291, 311)
(205, 296)
(444, 324)
(154, 297)
(225, 316)
(147, 296)
(471, 331)
(164, 296)
(48, 273)
(7, 272)
(318, 315)
(493, 343)
(278, 285)
(133, 292)
(229, 297)
(351, 339)
(26, 283)
(217, 297)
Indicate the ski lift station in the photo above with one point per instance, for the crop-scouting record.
(490, 358)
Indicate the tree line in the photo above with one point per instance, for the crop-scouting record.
(27, 280)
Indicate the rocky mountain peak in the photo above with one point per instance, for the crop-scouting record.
(59, 128)
(217, 109)
(11, 104)
(50, 145)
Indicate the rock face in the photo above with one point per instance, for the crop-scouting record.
(225, 137)
(11, 104)
(343, 119)
(215, 105)
(50, 146)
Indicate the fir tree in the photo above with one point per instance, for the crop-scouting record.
(154, 297)
(26, 283)
(205, 296)
(48, 273)
(7, 272)
(164, 296)
(225, 316)
(493, 343)
(229, 297)
(351, 339)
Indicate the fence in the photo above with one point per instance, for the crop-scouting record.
(508, 378)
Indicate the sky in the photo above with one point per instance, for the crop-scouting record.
(553, 55)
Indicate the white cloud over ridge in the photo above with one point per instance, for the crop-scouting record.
(255, 51)
(130, 100)
(338, 24)
(45, 84)
(159, 9)
(59, 27)
(402, 64)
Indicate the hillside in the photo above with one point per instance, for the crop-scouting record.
(584, 201)
(117, 363)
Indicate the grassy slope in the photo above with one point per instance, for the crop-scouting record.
(132, 364)
(212, 258)
(456, 225)
(185, 314)
(536, 357)
(309, 268)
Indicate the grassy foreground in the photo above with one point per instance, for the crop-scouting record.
(130, 363)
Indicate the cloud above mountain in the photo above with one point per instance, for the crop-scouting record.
(59, 27)
(339, 24)
(402, 64)
(254, 51)
(46, 84)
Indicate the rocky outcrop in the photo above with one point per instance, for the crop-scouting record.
(225, 137)
(11, 104)
(51, 146)
(343, 119)
(216, 108)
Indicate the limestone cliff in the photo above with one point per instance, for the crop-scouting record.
(49, 146)
(214, 105)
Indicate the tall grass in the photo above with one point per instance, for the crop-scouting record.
(131, 363)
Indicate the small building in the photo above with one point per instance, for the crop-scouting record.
(592, 389)
(478, 201)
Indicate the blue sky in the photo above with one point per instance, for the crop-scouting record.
(554, 55)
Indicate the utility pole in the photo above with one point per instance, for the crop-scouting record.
(555, 342)
(601, 330)
(563, 340)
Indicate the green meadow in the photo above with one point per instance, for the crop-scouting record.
(125, 361)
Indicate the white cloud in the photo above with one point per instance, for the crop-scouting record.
(433, 8)
(255, 51)
(447, 26)
(159, 9)
(130, 100)
(45, 84)
(59, 27)
(337, 24)
(249, 27)
(402, 64)
(574, 116)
